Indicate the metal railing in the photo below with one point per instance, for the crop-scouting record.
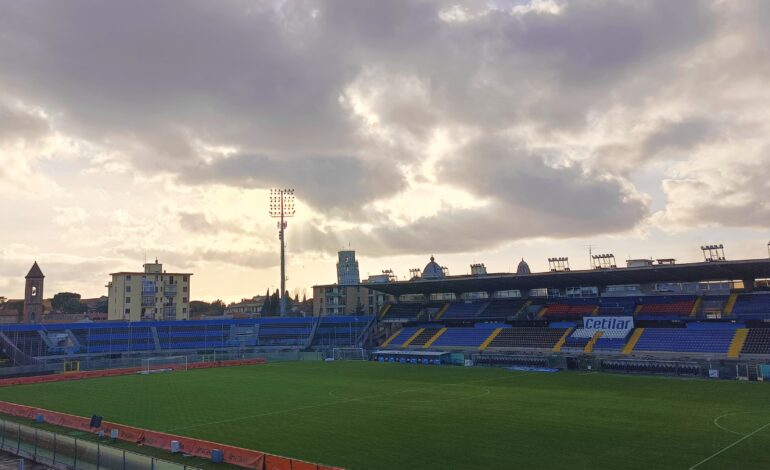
(63, 452)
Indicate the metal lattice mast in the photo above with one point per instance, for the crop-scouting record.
(282, 207)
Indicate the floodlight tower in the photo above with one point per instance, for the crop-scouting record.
(282, 207)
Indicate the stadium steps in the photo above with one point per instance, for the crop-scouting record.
(441, 312)
(74, 339)
(311, 336)
(730, 305)
(365, 332)
(433, 338)
(523, 309)
(17, 356)
(483, 308)
(590, 345)
(562, 340)
(384, 311)
(491, 338)
(155, 337)
(632, 341)
(542, 312)
(696, 306)
(638, 309)
(391, 338)
(737, 343)
(412, 338)
(45, 339)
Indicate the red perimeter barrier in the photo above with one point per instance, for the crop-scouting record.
(197, 447)
(91, 374)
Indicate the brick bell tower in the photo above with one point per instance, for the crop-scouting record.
(33, 295)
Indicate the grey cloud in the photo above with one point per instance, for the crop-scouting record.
(156, 82)
(189, 259)
(17, 124)
(528, 199)
(531, 191)
(682, 135)
(334, 184)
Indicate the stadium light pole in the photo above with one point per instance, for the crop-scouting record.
(282, 207)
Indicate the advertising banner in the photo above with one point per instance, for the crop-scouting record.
(608, 324)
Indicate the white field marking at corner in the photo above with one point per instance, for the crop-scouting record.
(729, 446)
(319, 405)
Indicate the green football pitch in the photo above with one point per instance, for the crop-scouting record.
(390, 416)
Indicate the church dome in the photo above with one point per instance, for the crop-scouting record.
(523, 268)
(432, 270)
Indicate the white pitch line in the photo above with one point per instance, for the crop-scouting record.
(729, 447)
(716, 422)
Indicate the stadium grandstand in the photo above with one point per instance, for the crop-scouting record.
(289, 380)
(711, 312)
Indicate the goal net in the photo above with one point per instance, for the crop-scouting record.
(348, 354)
(152, 365)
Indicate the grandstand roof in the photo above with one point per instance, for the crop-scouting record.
(688, 272)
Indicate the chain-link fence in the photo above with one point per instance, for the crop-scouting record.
(86, 363)
(60, 451)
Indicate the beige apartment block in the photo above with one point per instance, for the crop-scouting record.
(153, 294)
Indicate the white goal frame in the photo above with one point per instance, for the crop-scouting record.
(356, 354)
(151, 365)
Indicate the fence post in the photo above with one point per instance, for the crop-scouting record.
(35, 446)
(75, 464)
(98, 455)
(54, 448)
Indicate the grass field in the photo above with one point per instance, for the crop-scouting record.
(389, 416)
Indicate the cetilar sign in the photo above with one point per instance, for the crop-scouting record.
(608, 323)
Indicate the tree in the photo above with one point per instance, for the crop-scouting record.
(17, 305)
(217, 308)
(68, 303)
(73, 306)
(275, 303)
(66, 300)
(101, 305)
(266, 306)
(199, 307)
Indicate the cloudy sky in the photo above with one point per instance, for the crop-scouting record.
(478, 131)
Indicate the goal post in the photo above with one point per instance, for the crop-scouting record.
(151, 365)
(348, 354)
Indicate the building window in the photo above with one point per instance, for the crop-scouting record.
(128, 278)
(184, 278)
(184, 310)
(128, 288)
(184, 289)
(128, 311)
(184, 300)
(128, 300)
